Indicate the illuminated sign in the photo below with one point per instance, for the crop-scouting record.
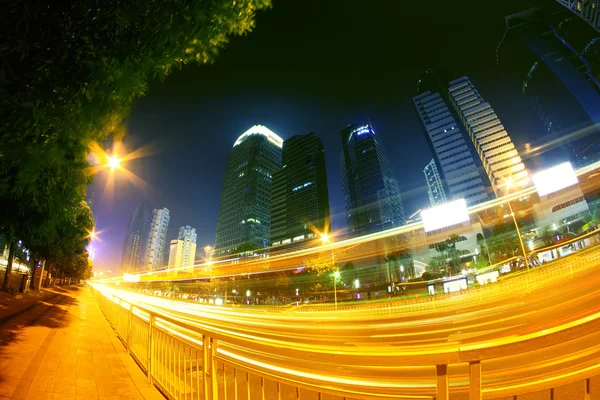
(444, 215)
(554, 179)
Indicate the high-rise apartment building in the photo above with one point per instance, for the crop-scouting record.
(135, 241)
(300, 200)
(451, 152)
(496, 150)
(157, 236)
(554, 56)
(244, 220)
(182, 251)
(435, 185)
(371, 194)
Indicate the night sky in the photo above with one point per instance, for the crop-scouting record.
(309, 65)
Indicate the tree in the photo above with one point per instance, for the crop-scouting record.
(71, 71)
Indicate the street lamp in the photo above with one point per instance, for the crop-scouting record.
(114, 162)
(509, 182)
(336, 275)
(325, 239)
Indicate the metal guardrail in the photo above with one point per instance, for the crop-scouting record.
(188, 360)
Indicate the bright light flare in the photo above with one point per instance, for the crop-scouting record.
(444, 215)
(554, 179)
(325, 238)
(114, 162)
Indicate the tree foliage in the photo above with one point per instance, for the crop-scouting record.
(70, 73)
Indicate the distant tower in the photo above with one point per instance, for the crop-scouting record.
(156, 239)
(435, 187)
(183, 250)
(135, 241)
(300, 205)
(451, 152)
(371, 193)
(244, 220)
(496, 150)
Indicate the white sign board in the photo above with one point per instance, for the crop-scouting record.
(447, 214)
(554, 179)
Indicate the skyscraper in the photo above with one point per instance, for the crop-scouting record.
(135, 241)
(371, 195)
(496, 150)
(554, 56)
(244, 220)
(435, 186)
(450, 149)
(589, 10)
(156, 239)
(300, 201)
(182, 251)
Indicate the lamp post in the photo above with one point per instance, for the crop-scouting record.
(336, 274)
(508, 184)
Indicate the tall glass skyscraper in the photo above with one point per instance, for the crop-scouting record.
(496, 150)
(156, 239)
(244, 221)
(300, 205)
(135, 241)
(371, 195)
(450, 149)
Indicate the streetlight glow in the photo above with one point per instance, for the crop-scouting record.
(325, 238)
(114, 162)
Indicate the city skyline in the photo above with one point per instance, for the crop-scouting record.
(291, 95)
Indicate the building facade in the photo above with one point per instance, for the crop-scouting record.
(371, 194)
(300, 200)
(435, 185)
(157, 237)
(560, 208)
(554, 56)
(182, 252)
(244, 221)
(589, 11)
(451, 152)
(494, 147)
(135, 241)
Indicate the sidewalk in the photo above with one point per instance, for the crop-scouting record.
(68, 351)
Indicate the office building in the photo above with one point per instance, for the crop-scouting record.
(435, 186)
(587, 10)
(371, 194)
(182, 252)
(135, 241)
(451, 151)
(244, 221)
(157, 237)
(500, 158)
(554, 56)
(300, 200)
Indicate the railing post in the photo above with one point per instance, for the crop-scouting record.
(213, 369)
(475, 380)
(128, 340)
(442, 382)
(209, 368)
(206, 382)
(151, 345)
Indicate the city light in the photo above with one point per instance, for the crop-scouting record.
(448, 214)
(554, 179)
(114, 162)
